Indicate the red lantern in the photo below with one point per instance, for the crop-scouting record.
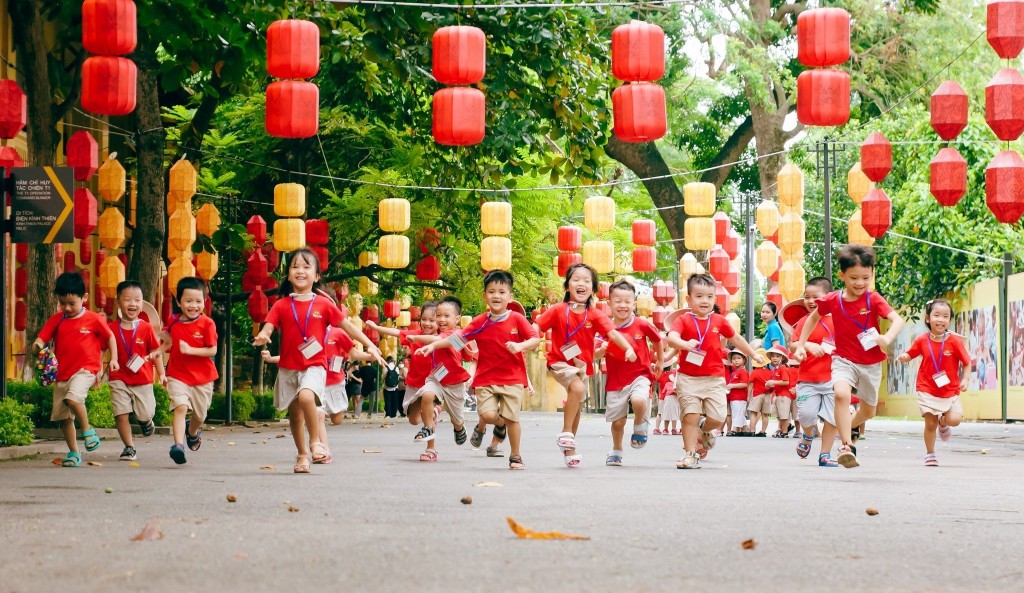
(639, 113)
(100, 258)
(109, 27)
(645, 259)
(603, 290)
(322, 256)
(13, 109)
(823, 97)
(270, 287)
(84, 273)
(293, 109)
(823, 37)
(258, 307)
(428, 240)
(317, 231)
(69, 262)
(257, 227)
(1004, 104)
(603, 308)
(20, 316)
(948, 182)
(1006, 27)
(108, 85)
(876, 213)
(370, 313)
(86, 216)
(293, 49)
(721, 298)
(9, 159)
(372, 335)
(775, 296)
(85, 253)
(570, 238)
(718, 262)
(459, 116)
(663, 292)
(20, 282)
(1004, 186)
(392, 309)
(876, 157)
(256, 266)
(99, 298)
(638, 52)
(722, 225)
(949, 110)
(659, 315)
(414, 313)
(342, 292)
(459, 55)
(429, 269)
(21, 253)
(83, 155)
(644, 232)
(731, 282)
(251, 281)
(731, 245)
(165, 308)
(273, 256)
(566, 259)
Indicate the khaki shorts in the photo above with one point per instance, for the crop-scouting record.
(930, 404)
(565, 373)
(412, 395)
(617, 404)
(195, 397)
(506, 400)
(290, 382)
(335, 399)
(760, 404)
(702, 395)
(75, 389)
(133, 398)
(864, 377)
(451, 397)
(782, 407)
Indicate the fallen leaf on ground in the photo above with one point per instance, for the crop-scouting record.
(149, 533)
(487, 485)
(292, 509)
(524, 533)
(748, 544)
(263, 442)
(371, 450)
(231, 443)
(232, 498)
(241, 555)
(467, 500)
(365, 426)
(94, 463)
(386, 425)
(56, 461)
(280, 436)
(270, 467)
(872, 511)
(135, 464)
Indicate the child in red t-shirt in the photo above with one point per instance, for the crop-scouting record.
(667, 421)
(759, 407)
(941, 377)
(738, 384)
(815, 399)
(79, 337)
(781, 384)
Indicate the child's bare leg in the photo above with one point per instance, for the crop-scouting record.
(691, 432)
(828, 437)
(573, 407)
(178, 424)
(765, 419)
(753, 420)
(296, 423)
(322, 423)
(124, 430)
(864, 413)
(843, 416)
(515, 433)
(498, 423)
(310, 414)
(618, 428)
(639, 411)
(950, 419)
(710, 424)
(80, 413)
(931, 423)
(427, 410)
(67, 426)
(413, 413)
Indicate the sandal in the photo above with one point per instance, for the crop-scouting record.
(847, 457)
(614, 458)
(657, 431)
(677, 432)
(566, 441)
(460, 435)
(639, 438)
(516, 462)
(803, 448)
(478, 437)
(321, 454)
(193, 442)
(500, 432)
(689, 461)
(178, 453)
(72, 459)
(425, 434)
(930, 460)
(147, 428)
(824, 460)
(777, 434)
(945, 433)
(761, 434)
(494, 452)
(429, 455)
(301, 464)
(92, 442)
(572, 461)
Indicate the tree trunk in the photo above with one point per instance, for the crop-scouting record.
(150, 214)
(34, 73)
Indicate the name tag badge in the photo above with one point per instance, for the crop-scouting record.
(867, 339)
(135, 363)
(941, 379)
(828, 346)
(310, 348)
(571, 350)
(695, 357)
(337, 363)
(439, 372)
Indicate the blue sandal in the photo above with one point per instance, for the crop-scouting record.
(639, 438)
(92, 442)
(193, 442)
(803, 448)
(72, 459)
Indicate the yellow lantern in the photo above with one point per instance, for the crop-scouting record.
(682, 289)
(855, 233)
(496, 253)
(791, 186)
(767, 218)
(699, 234)
(207, 220)
(699, 199)
(289, 234)
(207, 264)
(599, 214)
(111, 228)
(791, 234)
(367, 258)
(766, 257)
(688, 265)
(181, 232)
(394, 215)
(798, 209)
(496, 218)
(404, 319)
(111, 184)
(180, 268)
(465, 320)
(393, 251)
(792, 280)
(733, 318)
(797, 255)
(111, 274)
(645, 305)
(289, 199)
(857, 184)
(554, 265)
(406, 301)
(367, 287)
(183, 182)
(599, 255)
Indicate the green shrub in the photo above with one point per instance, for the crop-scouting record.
(34, 394)
(164, 415)
(97, 404)
(101, 413)
(265, 409)
(15, 423)
(242, 406)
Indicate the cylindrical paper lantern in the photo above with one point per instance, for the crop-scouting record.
(638, 52)
(599, 255)
(394, 215)
(645, 259)
(570, 238)
(566, 259)
(644, 232)
(109, 27)
(292, 109)
(948, 180)
(289, 199)
(293, 49)
(20, 315)
(428, 269)
(823, 37)
(109, 85)
(638, 112)
(392, 308)
(496, 218)
(496, 253)
(823, 97)
(698, 234)
(85, 252)
(459, 116)
(393, 251)
(367, 287)
(289, 234)
(318, 231)
(459, 55)
(367, 258)
(699, 199)
(599, 214)
(323, 257)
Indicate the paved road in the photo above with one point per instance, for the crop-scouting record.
(386, 522)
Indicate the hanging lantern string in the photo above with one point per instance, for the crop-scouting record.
(126, 133)
(515, 5)
(81, 127)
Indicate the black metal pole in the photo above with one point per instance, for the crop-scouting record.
(228, 321)
(3, 289)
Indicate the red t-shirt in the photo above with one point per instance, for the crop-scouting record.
(337, 343)
(78, 343)
(783, 374)
(817, 369)
(949, 356)
(581, 327)
(712, 329)
(758, 377)
(142, 340)
(419, 366)
(189, 368)
(622, 372)
(666, 384)
(850, 318)
(737, 376)
(452, 361)
(495, 364)
(308, 319)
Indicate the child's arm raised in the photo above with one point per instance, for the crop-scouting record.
(387, 331)
(800, 351)
(360, 337)
(356, 354)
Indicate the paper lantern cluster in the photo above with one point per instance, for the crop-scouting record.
(1004, 113)
(394, 218)
(699, 205)
(823, 41)
(570, 242)
(875, 163)
(181, 224)
(638, 59)
(645, 256)
(791, 232)
(459, 111)
(109, 80)
(110, 225)
(293, 54)
(289, 206)
(599, 218)
(496, 224)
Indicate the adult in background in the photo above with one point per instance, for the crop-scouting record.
(392, 388)
(368, 374)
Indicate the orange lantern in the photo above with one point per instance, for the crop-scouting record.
(111, 274)
(599, 214)
(394, 215)
(207, 264)
(496, 218)
(289, 199)
(791, 234)
(180, 268)
(207, 220)
(112, 181)
(767, 218)
(792, 280)
(767, 257)
(289, 234)
(699, 234)
(393, 251)
(791, 186)
(181, 232)
(496, 253)
(599, 255)
(855, 233)
(111, 226)
(699, 199)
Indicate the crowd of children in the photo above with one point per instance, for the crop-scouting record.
(701, 389)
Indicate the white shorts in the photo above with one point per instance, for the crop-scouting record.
(335, 399)
(617, 404)
(930, 404)
(290, 382)
(814, 401)
(738, 411)
(668, 409)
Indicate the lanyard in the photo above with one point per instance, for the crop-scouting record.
(864, 326)
(942, 348)
(129, 347)
(488, 323)
(295, 314)
(628, 323)
(701, 336)
(568, 312)
(831, 336)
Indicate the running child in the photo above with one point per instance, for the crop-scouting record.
(79, 337)
(781, 384)
(738, 384)
(814, 396)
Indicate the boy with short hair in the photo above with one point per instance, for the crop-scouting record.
(738, 383)
(131, 384)
(79, 337)
(815, 399)
(860, 348)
